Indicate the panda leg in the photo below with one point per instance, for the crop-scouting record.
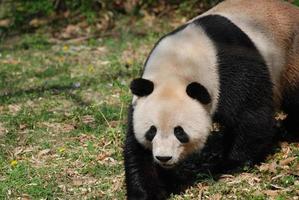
(252, 137)
(290, 106)
(142, 180)
(141, 174)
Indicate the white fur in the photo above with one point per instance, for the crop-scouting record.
(178, 60)
(188, 55)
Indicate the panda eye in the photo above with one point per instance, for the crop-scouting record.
(151, 133)
(181, 135)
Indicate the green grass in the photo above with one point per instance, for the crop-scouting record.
(62, 115)
(62, 123)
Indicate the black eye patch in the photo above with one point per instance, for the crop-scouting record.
(151, 133)
(199, 92)
(142, 87)
(181, 135)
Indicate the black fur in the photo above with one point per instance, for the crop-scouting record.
(245, 110)
(198, 92)
(181, 135)
(246, 99)
(141, 87)
(290, 106)
(144, 179)
(151, 133)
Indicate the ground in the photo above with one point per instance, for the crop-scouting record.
(63, 108)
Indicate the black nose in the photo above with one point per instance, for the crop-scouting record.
(163, 158)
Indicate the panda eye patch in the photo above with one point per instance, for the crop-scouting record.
(181, 135)
(151, 133)
(142, 87)
(199, 92)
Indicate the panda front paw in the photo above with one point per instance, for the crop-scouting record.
(138, 195)
(227, 165)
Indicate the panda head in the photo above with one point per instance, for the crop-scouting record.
(170, 118)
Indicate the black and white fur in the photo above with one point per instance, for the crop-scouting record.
(215, 68)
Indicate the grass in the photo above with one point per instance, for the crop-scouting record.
(62, 123)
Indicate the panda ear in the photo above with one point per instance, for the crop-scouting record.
(141, 87)
(199, 92)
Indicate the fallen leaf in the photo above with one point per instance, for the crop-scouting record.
(280, 116)
(271, 193)
(285, 149)
(25, 197)
(43, 152)
(102, 156)
(117, 183)
(13, 108)
(37, 22)
(5, 23)
(87, 119)
(114, 123)
(17, 151)
(11, 62)
(78, 181)
(287, 161)
(22, 126)
(66, 14)
(62, 187)
(226, 177)
(109, 161)
(216, 197)
(101, 49)
(3, 130)
(83, 24)
(268, 167)
(68, 127)
(70, 31)
(277, 187)
(278, 176)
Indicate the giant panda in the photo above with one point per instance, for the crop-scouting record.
(236, 64)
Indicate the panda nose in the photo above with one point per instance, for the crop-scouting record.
(163, 158)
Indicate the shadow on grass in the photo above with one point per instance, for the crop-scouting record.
(40, 91)
(206, 167)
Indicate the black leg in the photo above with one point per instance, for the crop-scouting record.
(252, 137)
(290, 106)
(142, 177)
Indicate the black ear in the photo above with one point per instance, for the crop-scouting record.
(197, 91)
(142, 87)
